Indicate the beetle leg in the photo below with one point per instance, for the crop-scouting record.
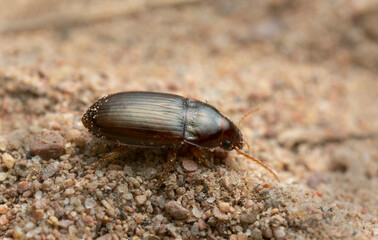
(200, 155)
(115, 153)
(171, 158)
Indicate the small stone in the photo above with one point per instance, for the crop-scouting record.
(89, 203)
(54, 220)
(197, 213)
(224, 207)
(69, 192)
(3, 176)
(242, 236)
(123, 188)
(4, 220)
(22, 186)
(129, 209)
(176, 211)
(87, 219)
(256, 234)
(201, 224)
(8, 160)
(249, 217)
(133, 181)
(218, 214)
(267, 232)
(105, 237)
(106, 204)
(49, 145)
(245, 218)
(138, 218)
(189, 165)
(49, 171)
(275, 210)
(40, 204)
(140, 200)
(279, 232)
(65, 223)
(150, 173)
(29, 226)
(234, 237)
(249, 204)
(3, 209)
(38, 214)
(195, 229)
(18, 233)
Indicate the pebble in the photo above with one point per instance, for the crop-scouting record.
(4, 220)
(87, 219)
(3, 209)
(3, 176)
(267, 232)
(248, 217)
(224, 207)
(197, 213)
(54, 220)
(18, 233)
(49, 145)
(279, 232)
(8, 160)
(140, 200)
(65, 223)
(176, 211)
(189, 165)
(194, 229)
(69, 192)
(201, 224)
(133, 181)
(89, 203)
(22, 186)
(50, 171)
(38, 214)
(105, 237)
(150, 173)
(256, 234)
(218, 214)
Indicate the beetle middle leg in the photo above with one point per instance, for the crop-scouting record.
(172, 156)
(200, 155)
(115, 153)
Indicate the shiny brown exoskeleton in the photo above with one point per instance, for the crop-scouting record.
(149, 119)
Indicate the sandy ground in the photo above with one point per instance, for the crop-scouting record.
(310, 66)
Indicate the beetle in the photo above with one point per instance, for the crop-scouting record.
(162, 120)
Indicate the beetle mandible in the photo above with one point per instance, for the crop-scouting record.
(151, 119)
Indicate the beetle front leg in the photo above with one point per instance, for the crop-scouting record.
(115, 153)
(200, 155)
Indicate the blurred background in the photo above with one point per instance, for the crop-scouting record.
(310, 65)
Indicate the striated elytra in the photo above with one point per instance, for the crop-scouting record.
(150, 119)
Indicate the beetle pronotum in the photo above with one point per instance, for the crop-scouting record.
(150, 119)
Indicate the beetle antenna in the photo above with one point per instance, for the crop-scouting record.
(248, 114)
(249, 147)
(258, 162)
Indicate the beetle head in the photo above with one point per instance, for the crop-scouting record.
(232, 136)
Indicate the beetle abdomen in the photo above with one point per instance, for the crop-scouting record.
(138, 118)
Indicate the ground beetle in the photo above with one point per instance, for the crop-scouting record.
(150, 119)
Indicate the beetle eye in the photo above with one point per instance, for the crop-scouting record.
(227, 145)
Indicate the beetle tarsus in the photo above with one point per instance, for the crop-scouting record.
(115, 153)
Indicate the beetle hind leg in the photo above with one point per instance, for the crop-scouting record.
(115, 153)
